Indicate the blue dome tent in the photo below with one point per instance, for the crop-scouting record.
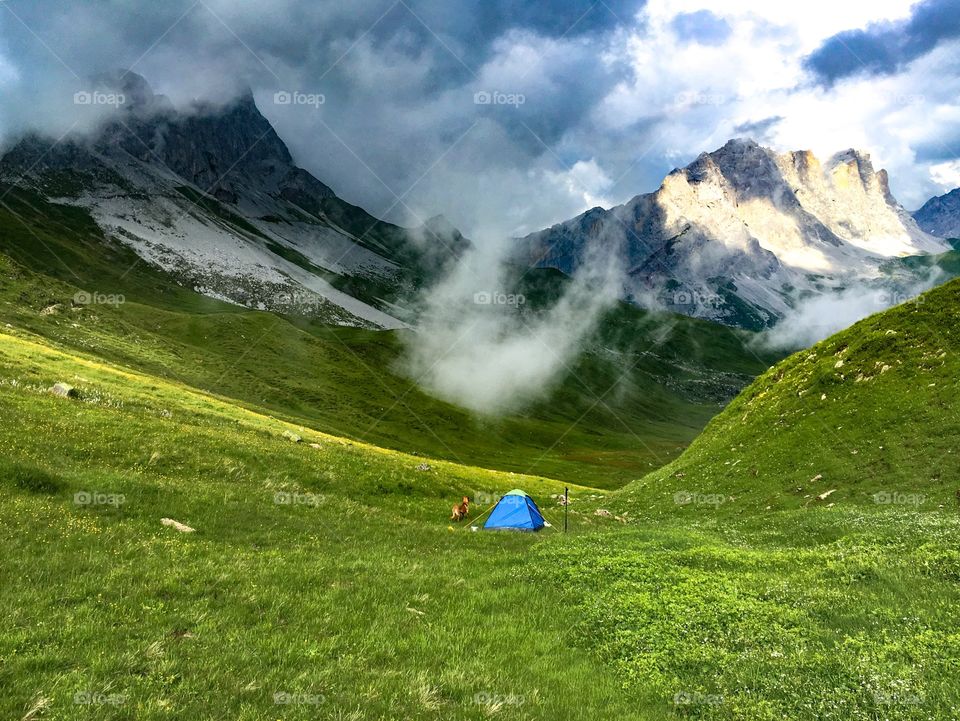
(516, 511)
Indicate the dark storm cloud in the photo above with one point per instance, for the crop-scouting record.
(565, 18)
(401, 131)
(884, 48)
(399, 76)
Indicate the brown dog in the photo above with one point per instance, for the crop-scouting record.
(461, 510)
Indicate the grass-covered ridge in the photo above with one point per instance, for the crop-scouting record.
(799, 560)
(869, 414)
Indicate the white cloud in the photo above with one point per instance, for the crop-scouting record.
(693, 97)
(807, 23)
(586, 179)
(946, 175)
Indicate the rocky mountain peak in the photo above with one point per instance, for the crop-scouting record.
(228, 150)
(853, 164)
(138, 96)
(747, 232)
(941, 215)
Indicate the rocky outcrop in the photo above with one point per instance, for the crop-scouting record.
(941, 215)
(742, 233)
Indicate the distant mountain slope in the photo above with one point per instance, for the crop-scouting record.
(743, 233)
(870, 414)
(941, 215)
(212, 194)
(631, 400)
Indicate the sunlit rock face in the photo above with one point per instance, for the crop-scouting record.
(742, 234)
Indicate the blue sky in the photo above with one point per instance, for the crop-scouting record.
(510, 115)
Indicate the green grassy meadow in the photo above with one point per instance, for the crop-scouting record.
(329, 574)
(797, 561)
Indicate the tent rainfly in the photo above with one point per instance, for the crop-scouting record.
(516, 511)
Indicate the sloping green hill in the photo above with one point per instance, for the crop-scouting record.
(321, 580)
(870, 414)
(799, 560)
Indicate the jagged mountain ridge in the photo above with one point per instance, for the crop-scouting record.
(941, 215)
(743, 233)
(212, 194)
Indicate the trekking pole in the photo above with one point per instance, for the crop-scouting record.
(566, 505)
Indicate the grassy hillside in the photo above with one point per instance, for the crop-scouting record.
(800, 559)
(326, 573)
(626, 407)
(869, 414)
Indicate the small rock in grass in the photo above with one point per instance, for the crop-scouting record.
(602, 512)
(316, 445)
(423, 467)
(290, 435)
(826, 494)
(63, 390)
(183, 528)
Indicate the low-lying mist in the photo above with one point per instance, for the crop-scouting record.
(481, 346)
(821, 316)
